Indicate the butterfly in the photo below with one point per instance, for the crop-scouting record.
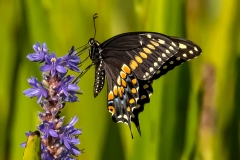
(130, 62)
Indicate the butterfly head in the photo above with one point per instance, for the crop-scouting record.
(94, 52)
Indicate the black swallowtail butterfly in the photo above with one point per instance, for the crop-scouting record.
(130, 62)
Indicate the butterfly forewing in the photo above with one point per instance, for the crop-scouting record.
(187, 51)
(144, 52)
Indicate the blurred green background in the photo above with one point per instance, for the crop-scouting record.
(194, 112)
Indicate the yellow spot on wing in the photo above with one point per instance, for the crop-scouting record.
(151, 46)
(122, 89)
(154, 43)
(110, 96)
(123, 74)
(138, 59)
(124, 84)
(174, 44)
(182, 46)
(149, 35)
(143, 55)
(147, 50)
(167, 51)
(120, 92)
(171, 48)
(131, 101)
(145, 86)
(126, 69)
(143, 97)
(134, 90)
(119, 81)
(133, 64)
(195, 48)
(115, 90)
(128, 109)
(134, 81)
(161, 41)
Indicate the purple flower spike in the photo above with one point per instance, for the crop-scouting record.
(37, 91)
(47, 129)
(53, 64)
(53, 92)
(40, 52)
(71, 60)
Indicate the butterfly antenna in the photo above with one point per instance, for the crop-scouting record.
(84, 60)
(82, 73)
(94, 17)
(82, 47)
(79, 53)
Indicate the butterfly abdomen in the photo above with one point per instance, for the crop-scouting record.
(99, 79)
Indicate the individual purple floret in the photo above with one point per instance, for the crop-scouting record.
(53, 64)
(40, 52)
(67, 137)
(58, 141)
(37, 91)
(67, 90)
(71, 60)
(47, 128)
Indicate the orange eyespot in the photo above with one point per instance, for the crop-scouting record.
(111, 109)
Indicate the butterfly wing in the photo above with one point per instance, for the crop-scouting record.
(132, 61)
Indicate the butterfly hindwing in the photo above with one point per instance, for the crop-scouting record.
(122, 92)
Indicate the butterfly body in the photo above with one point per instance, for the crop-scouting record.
(130, 62)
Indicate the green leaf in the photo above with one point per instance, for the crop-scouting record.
(33, 146)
